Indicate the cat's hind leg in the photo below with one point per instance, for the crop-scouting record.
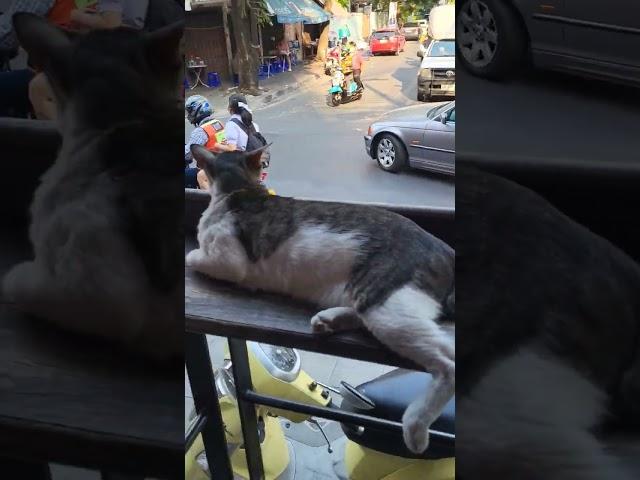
(406, 323)
(336, 319)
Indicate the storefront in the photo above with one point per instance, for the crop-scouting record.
(291, 19)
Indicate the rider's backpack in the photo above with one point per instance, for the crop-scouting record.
(255, 140)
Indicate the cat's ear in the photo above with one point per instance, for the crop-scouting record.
(204, 158)
(253, 159)
(49, 47)
(165, 46)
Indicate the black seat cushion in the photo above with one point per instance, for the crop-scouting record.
(392, 393)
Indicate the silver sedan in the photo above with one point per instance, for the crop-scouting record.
(422, 136)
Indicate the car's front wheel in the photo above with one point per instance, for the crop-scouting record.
(491, 39)
(390, 153)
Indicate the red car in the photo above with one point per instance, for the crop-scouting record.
(387, 41)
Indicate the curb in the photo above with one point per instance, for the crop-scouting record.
(273, 96)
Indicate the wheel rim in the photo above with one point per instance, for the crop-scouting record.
(477, 33)
(386, 153)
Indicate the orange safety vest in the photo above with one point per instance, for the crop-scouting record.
(60, 13)
(215, 131)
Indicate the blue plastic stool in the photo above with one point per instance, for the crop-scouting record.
(236, 79)
(213, 79)
(185, 84)
(276, 66)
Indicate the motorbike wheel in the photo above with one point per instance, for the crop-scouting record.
(336, 98)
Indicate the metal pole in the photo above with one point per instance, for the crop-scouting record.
(205, 398)
(248, 418)
(336, 414)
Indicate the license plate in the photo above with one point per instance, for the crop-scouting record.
(448, 88)
(384, 40)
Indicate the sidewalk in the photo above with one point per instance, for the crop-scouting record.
(274, 89)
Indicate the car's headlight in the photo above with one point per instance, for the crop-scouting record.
(425, 74)
(281, 362)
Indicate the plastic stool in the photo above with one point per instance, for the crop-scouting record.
(213, 79)
(276, 66)
(185, 84)
(236, 79)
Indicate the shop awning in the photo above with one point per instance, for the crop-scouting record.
(296, 11)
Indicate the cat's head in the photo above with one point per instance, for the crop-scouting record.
(230, 171)
(105, 77)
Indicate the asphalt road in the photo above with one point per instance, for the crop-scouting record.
(543, 114)
(318, 151)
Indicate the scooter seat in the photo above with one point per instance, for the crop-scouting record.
(392, 393)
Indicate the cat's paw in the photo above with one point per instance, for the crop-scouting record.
(192, 258)
(336, 319)
(415, 433)
(321, 323)
(15, 284)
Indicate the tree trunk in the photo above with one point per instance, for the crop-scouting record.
(246, 60)
(323, 41)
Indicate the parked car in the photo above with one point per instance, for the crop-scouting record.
(599, 39)
(411, 30)
(387, 41)
(418, 136)
(437, 74)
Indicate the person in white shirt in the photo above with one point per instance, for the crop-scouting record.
(240, 113)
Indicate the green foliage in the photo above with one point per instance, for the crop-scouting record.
(407, 8)
(259, 7)
(344, 4)
(261, 11)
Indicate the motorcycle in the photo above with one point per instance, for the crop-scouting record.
(368, 454)
(342, 91)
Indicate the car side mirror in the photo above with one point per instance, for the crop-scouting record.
(443, 118)
(419, 53)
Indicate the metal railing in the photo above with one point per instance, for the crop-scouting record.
(209, 420)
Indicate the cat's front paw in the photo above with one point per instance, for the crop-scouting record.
(321, 323)
(415, 433)
(16, 282)
(191, 260)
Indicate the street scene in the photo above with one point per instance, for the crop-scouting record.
(319, 151)
(391, 143)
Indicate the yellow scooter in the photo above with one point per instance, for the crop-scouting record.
(368, 454)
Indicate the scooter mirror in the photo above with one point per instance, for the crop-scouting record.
(354, 397)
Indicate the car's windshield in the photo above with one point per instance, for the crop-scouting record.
(382, 34)
(410, 24)
(435, 111)
(442, 48)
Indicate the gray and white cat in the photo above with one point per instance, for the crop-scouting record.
(363, 266)
(106, 219)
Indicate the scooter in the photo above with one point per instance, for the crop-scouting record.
(368, 454)
(342, 91)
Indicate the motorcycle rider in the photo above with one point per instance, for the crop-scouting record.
(356, 67)
(209, 132)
